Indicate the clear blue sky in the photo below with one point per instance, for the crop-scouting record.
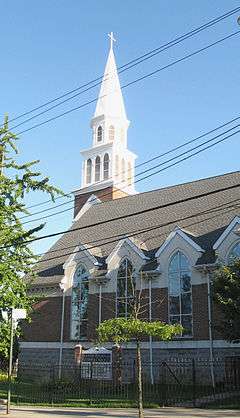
(49, 47)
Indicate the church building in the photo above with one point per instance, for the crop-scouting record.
(171, 239)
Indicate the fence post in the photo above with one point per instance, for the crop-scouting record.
(194, 381)
(91, 382)
(53, 382)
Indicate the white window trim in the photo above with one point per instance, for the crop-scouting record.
(183, 235)
(119, 246)
(228, 230)
(234, 244)
(72, 260)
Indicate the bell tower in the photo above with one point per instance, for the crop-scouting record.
(108, 163)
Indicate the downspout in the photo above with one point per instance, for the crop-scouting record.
(150, 337)
(61, 332)
(100, 304)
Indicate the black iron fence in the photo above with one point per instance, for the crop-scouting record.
(185, 382)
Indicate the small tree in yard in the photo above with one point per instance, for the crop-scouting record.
(16, 258)
(123, 330)
(226, 294)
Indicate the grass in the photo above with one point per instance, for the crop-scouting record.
(104, 394)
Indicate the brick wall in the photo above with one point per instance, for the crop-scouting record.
(93, 307)
(160, 304)
(200, 312)
(46, 317)
(217, 316)
(46, 321)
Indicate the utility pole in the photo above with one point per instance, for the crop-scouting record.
(10, 362)
(15, 314)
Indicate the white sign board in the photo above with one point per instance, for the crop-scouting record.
(19, 314)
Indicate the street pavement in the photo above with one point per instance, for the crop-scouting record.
(36, 412)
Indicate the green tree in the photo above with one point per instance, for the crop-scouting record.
(123, 330)
(16, 258)
(226, 294)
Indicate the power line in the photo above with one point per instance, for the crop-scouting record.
(123, 235)
(156, 166)
(138, 165)
(139, 232)
(131, 82)
(139, 59)
(189, 156)
(130, 215)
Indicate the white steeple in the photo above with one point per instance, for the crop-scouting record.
(109, 162)
(110, 100)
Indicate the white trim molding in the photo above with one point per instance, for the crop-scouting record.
(233, 223)
(72, 261)
(131, 244)
(163, 345)
(183, 235)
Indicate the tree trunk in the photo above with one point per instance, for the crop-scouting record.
(139, 381)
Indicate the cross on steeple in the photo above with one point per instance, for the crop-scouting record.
(112, 39)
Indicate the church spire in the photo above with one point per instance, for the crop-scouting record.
(109, 162)
(110, 100)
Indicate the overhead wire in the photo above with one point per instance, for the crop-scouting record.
(152, 168)
(137, 60)
(123, 235)
(129, 215)
(131, 82)
(138, 165)
(138, 232)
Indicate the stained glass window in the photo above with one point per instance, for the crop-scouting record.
(180, 293)
(234, 253)
(79, 303)
(124, 289)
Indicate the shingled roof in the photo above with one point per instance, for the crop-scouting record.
(208, 219)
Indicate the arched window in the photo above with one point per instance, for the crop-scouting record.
(129, 174)
(79, 303)
(89, 171)
(117, 166)
(234, 253)
(180, 293)
(97, 168)
(124, 296)
(106, 167)
(99, 134)
(123, 170)
(111, 133)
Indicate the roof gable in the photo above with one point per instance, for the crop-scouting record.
(228, 230)
(131, 244)
(183, 235)
(73, 257)
(91, 201)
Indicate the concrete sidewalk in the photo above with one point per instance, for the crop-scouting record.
(36, 412)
